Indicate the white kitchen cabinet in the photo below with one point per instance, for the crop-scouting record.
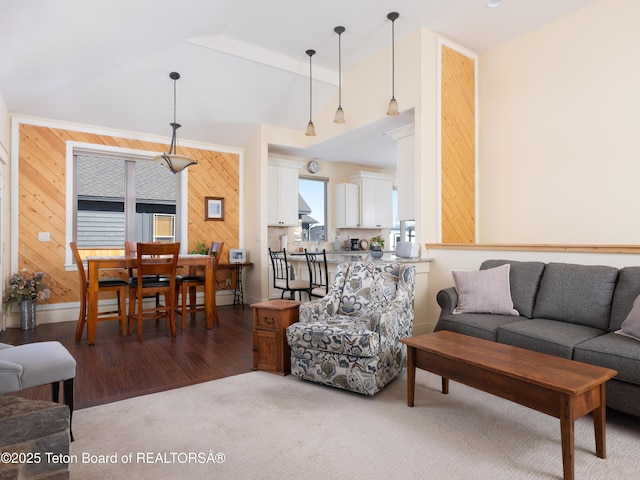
(347, 205)
(375, 198)
(282, 194)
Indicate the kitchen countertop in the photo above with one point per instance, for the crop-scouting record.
(361, 255)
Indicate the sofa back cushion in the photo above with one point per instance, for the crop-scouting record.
(524, 279)
(627, 290)
(580, 294)
(368, 287)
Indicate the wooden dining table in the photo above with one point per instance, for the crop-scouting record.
(193, 261)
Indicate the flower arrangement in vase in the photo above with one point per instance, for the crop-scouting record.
(376, 245)
(26, 289)
(25, 286)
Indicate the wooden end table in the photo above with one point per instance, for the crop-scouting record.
(559, 387)
(271, 351)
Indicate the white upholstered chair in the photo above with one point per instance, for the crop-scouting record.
(35, 364)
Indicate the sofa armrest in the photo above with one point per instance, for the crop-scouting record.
(447, 299)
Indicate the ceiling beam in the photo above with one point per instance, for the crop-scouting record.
(266, 57)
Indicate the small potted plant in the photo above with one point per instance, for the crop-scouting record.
(201, 249)
(376, 245)
(26, 288)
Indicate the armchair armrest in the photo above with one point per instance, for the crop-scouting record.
(447, 299)
(316, 310)
(326, 307)
(395, 320)
(10, 374)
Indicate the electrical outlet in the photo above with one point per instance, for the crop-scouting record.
(44, 236)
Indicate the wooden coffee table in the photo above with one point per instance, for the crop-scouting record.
(563, 388)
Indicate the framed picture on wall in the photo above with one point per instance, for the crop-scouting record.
(213, 208)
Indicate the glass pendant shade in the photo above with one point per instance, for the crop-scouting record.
(311, 129)
(172, 160)
(393, 107)
(339, 118)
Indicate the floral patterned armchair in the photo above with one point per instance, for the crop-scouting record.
(351, 337)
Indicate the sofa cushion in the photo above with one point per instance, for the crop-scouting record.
(612, 351)
(481, 325)
(627, 290)
(484, 291)
(342, 334)
(580, 294)
(546, 336)
(524, 279)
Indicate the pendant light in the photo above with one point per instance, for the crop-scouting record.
(339, 118)
(311, 129)
(393, 104)
(172, 160)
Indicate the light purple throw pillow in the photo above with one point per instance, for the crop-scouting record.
(484, 291)
(631, 325)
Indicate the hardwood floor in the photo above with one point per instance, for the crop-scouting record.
(118, 367)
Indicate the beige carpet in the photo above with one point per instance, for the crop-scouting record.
(271, 427)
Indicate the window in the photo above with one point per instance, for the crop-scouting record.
(312, 209)
(164, 227)
(120, 199)
(402, 230)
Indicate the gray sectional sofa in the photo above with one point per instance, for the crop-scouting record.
(566, 310)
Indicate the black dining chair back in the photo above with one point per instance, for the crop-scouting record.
(318, 273)
(283, 276)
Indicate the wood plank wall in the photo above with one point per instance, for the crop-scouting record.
(42, 199)
(458, 147)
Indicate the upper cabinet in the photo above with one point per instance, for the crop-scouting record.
(282, 194)
(347, 206)
(374, 207)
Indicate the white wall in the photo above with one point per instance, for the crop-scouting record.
(559, 155)
(559, 158)
(4, 194)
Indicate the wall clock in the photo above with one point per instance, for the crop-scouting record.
(313, 166)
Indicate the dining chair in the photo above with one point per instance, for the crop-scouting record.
(117, 285)
(188, 284)
(156, 274)
(318, 273)
(130, 250)
(283, 276)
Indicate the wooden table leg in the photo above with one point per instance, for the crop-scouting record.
(599, 425)
(209, 292)
(92, 308)
(411, 375)
(567, 436)
(445, 385)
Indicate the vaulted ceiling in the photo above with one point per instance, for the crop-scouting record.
(242, 62)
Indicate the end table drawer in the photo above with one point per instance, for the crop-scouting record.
(268, 319)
